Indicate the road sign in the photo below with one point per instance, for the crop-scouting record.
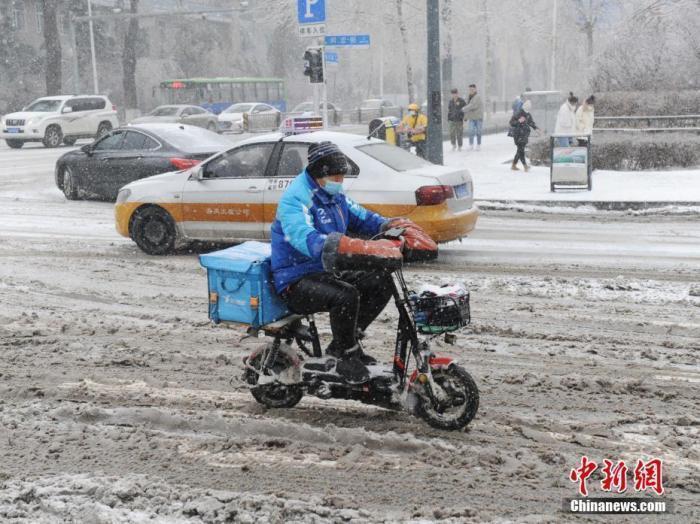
(311, 15)
(312, 30)
(331, 57)
(311, 11)
(347, 40)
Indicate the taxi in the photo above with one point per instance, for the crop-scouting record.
(232, 196)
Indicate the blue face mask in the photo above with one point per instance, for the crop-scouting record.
(333, 188)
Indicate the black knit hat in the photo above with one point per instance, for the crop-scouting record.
(326, 158)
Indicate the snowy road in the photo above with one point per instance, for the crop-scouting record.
(119, 401)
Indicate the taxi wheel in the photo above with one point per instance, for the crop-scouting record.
(14, 144)
(153, 230)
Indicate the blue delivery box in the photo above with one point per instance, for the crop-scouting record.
(241, 287)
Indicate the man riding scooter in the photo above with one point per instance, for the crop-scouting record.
(310, 246)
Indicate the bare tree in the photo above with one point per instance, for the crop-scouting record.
(447, 45)
(588, 15)
(129, 59)
(406, 51)
(52, 43)
(488, 52)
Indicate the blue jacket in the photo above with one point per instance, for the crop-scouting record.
(306, 214)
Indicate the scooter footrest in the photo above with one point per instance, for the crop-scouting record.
(319, 364)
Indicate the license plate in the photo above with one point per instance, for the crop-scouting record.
(13, 130)
(461, 191)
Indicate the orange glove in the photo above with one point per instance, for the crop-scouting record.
(416, 239)
(341, 252)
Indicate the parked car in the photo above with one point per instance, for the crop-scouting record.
(180, 114)
(98, 170)
(335, 115)
(59, 119)
(380, 107)
(232, 119)
(233, 196)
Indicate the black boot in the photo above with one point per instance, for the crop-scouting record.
(351, 368)
(366, 359)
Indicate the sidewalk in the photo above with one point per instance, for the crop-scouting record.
(495, 183)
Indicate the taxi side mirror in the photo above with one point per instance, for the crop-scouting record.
(198, 172)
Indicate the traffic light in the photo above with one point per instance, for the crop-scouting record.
(313, 64)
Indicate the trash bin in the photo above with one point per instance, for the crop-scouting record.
(570, 166)
(385, 129)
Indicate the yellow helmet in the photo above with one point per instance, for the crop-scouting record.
(413, 107)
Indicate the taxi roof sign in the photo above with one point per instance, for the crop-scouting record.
(296, 125)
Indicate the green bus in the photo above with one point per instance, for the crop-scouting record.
(216, 94)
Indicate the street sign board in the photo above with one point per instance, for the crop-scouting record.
(312, 30)
(311, 11)
(347, 41)
(331, 57)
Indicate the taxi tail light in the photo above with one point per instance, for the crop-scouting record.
(433, 195)
(184, 163)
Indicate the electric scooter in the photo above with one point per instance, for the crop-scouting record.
(434, 388)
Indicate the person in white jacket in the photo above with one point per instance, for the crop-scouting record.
(584, 118)
(566, 121)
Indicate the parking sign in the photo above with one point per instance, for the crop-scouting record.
(311, 11)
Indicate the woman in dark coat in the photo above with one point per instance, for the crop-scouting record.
(520, 125)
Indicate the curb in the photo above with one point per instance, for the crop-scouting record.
(599, 205)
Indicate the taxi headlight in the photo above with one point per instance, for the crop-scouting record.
(123, 195)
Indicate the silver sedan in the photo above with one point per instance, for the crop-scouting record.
(180, 114)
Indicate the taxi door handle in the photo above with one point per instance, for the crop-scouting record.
(254, 189)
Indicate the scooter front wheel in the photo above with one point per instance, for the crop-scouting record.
(462, 395)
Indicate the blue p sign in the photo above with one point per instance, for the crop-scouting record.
(311, 11)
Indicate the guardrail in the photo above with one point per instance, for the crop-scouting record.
(648, 123)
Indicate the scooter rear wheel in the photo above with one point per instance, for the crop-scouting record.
(463, 393)
(273, 395)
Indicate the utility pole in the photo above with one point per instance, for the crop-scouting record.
(553, 66)
(434, 142)
(92, 50)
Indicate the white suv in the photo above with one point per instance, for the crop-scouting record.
(56, 119)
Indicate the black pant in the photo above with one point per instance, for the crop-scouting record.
(353, 299)
(520, 153)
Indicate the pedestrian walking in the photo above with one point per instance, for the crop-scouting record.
(455, 116)
(474, 112)
(584, 119)
(518, 102)
(566, 121)
(520, 125)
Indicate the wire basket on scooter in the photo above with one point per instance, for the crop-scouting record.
(436, 313)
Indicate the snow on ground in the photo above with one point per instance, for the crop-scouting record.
(120, 402)
(494, 180)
